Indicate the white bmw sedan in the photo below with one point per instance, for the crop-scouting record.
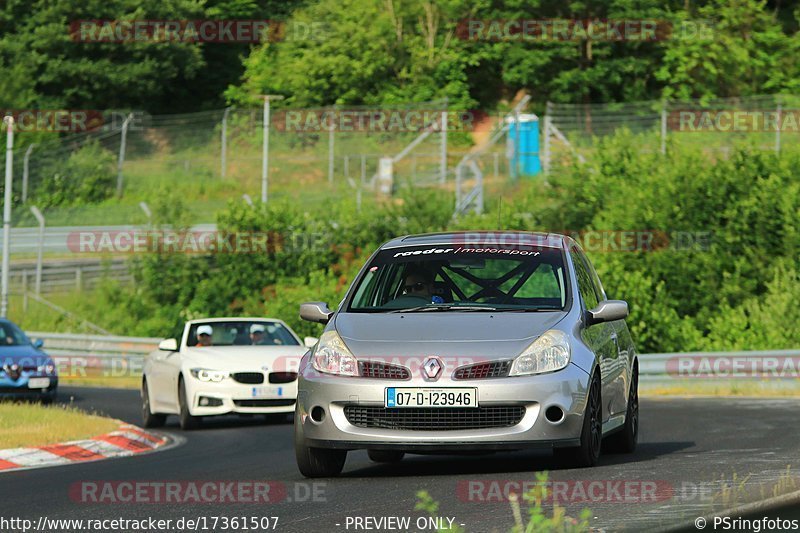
(221, 366)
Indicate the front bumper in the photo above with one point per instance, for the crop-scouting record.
(21, 387)
(566, 389)
(209, 399)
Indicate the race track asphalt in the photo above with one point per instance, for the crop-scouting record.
(695, 456)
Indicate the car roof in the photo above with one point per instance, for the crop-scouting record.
(484, 238)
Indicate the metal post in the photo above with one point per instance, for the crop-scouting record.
(78, 278)
(363, 168)
(147, 212)
(25, 162)
(517, 145)
(347, 166)
(664, 127)
(443, 155)
(121, 158)
(546, 150)
(265, 152)
(24, 290)
(496, 164)
(778, 129)
(9, 120)
(330, 150)
(224, 142)
(39, 248)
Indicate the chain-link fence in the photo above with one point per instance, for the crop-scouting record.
(714, 124)
(311, 154)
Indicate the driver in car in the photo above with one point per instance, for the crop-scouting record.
(419, 282)
(204, 335)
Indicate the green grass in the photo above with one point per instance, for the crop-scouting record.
(765, 389)
(27, 424)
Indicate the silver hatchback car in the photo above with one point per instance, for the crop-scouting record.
(468, 342)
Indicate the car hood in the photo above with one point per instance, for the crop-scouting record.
(480, 335)
(253, 358)
(25, 355)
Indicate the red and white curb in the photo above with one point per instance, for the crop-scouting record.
(127, 440)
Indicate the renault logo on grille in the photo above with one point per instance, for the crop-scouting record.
(432, 368)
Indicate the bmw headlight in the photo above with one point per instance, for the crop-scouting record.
(548, 353)
(333, 357)
(213, 376)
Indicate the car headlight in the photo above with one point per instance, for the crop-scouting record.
(47, 368)
(204, 374)
(333, 357)
(548, 353)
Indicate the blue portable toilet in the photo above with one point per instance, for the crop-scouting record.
(523, 146)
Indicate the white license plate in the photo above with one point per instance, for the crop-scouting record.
(424, 397)
(38, 383)
(267, 392)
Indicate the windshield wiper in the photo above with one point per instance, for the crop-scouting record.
(530, 309)
(444, 307)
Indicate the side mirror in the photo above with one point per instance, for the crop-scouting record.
(310, 342)
(607, 311)
(38, 343)
(315, 312)
(168, 345)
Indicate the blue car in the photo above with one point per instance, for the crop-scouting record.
(25, 370)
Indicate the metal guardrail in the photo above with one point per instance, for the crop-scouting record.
(68, 276)
(120, 354)
(771, 364)
(64, 239)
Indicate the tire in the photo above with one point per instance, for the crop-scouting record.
(588, 452)
(385, 456)
(316, 462)
(150, 419)
(49, 398)
(188, 422)
(624, 441)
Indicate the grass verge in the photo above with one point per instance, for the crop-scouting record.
(106, 382)
(764, 389)
(30, 424)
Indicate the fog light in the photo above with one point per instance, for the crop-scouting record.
(206, 401)
(554, 414)
(317, 414)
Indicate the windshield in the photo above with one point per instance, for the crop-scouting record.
(240, 333)
(11, 335)
(462, 278)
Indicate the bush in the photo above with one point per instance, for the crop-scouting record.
(87, 177)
